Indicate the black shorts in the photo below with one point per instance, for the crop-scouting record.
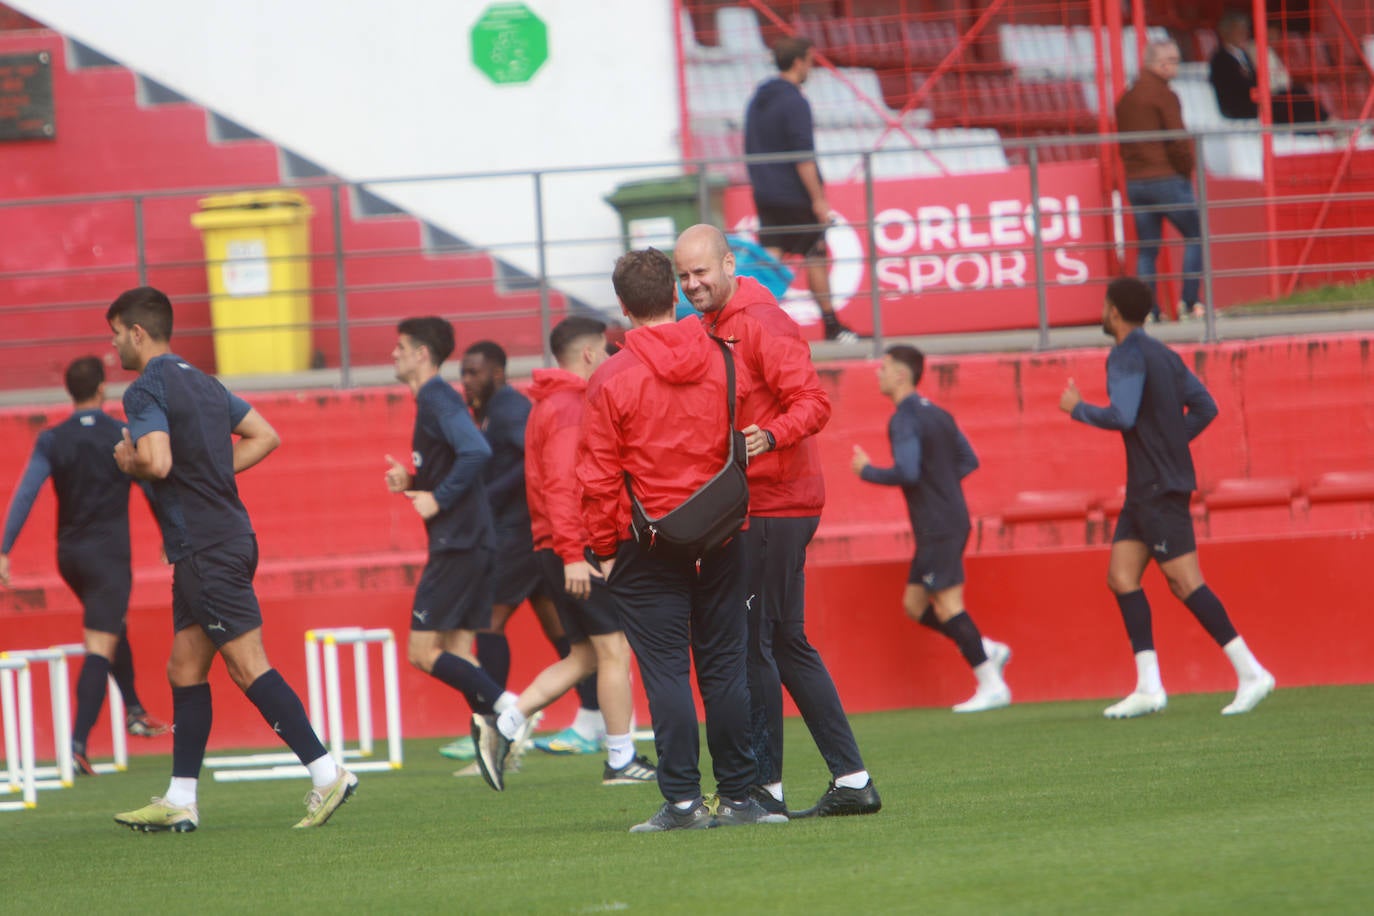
(213, 589)
(939, 562)
(1163, 523)
(102, 583)
(515, 574)
(597, 616)
(794, 230)
(454, 592)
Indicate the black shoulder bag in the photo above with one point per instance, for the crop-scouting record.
(715, 512)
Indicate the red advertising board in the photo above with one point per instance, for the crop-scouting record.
(957, 253)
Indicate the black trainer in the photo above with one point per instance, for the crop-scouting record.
(492, 748)
(747, 811)
(838, 332)
(670, 817)
(766, 800)
(839, 801)
(639, 770)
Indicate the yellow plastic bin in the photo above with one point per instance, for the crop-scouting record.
(257, 247)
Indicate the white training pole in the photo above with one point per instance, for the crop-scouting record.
(332, 697)
(19, 760)
(11, 721)
(362, 681)
(392, 687)
(312, 682)
(61, 716)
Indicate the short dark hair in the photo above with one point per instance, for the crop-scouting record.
(790, 50)
(433, 333)
(1131, 297)
(910, 357)
(570, 330)
(645, 282)
(146, 307)
(84, 376)
(489, 350)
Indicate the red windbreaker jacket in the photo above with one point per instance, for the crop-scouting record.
(551, 487)
(657, 410)
(784, 397)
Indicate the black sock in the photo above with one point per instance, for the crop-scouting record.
(1208, 610)
(1135, 613)
(493, 651)
(192, 715)
(90, 696)
(282, 709)
(122, 668)
(930, 619)
(964, 632)
(469, 680)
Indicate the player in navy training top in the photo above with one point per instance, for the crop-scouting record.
(453, 600)
(931, 458)
(501, 413)
(1159, 407)
(93, 553)
(181, 439)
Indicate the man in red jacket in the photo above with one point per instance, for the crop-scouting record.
(589, 617)
(657, 421)
(783, 408)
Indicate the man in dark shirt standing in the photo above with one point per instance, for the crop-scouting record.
(502, 413)
(930, 459)
(180, 439)
(1234, 77)
(93, 554)
(790, 196)
(1159, 407)
(1159, 174)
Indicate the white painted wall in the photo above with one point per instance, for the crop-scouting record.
(386, 88)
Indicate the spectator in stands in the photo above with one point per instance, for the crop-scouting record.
(1159, 174)
(587, 612)
(93, 555)
(1235, 79)
(501, 413)
(453, 600)
(783, 409)
(181, 440)
(930, 459)
(656, 421)
(1159, 407)
(790, 196)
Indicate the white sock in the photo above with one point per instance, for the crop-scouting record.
(620, 750)
(852, 780)
(590, 724)
(1247, 666)
(775, 790)
(505, 701)
(988, 677)
(1147, 672)
(510, 720)
(686, 805)
(182, 791)
(323, 771)
(987, 646)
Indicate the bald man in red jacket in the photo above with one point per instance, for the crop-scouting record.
(784, 408)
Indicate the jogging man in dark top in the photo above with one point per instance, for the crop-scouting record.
(93, 553)
(1159, 407)
(930, 459)
(790, 196)
(453, 600)
(180, 438)
(502, 413)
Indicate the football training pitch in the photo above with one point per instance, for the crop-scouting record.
(1038, 808)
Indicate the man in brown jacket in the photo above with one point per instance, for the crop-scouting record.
(1159, 174)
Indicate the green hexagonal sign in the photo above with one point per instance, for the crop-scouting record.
(509, 43)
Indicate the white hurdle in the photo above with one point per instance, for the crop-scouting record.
(119, 738)
(59, 776)
(18, 726)
(326, 708)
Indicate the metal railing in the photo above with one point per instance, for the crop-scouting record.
(357, 298)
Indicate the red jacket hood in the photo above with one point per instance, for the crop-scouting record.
(546, 382)
(677, 353)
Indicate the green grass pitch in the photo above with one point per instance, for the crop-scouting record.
(1043, 808)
